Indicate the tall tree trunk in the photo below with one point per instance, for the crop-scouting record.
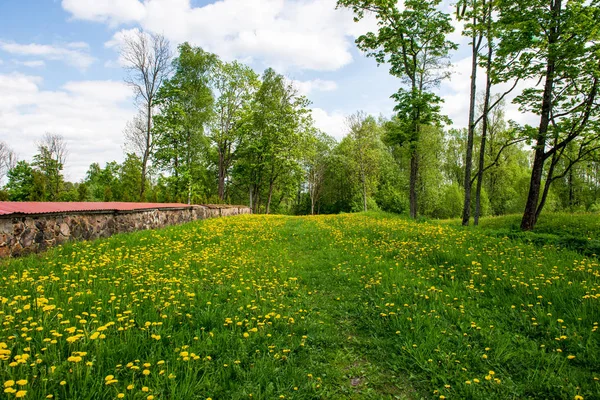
(414, 157)
(466, 215)
(364, 189)
(189, 195)
(571, 190)
(485, 120)
(221, 188)
(530, 213)
(270, 196)
(146, 155)
(529, 216)
(414, 169)
(547, 184)
(250, 200)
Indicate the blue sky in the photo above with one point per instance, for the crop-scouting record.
(59, 68)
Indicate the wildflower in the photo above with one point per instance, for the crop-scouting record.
(570, 356)
(120, 395)
(9, 383)
(21, 393)
(22, 382)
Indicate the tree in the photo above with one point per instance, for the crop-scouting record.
(8, 159)
(186, 105)
(50, 160)
(235, 85)
(20, 184)
(413, 42)
(275, 129)
(557, 45)
(476, 12)
(136, 139)
(147, 60)
(130, 176)
(317, 152)
(364, 137)
(104, 183)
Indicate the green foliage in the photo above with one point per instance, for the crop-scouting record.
(50, 167)
(276, 129)
(131, 177)
(21, 182)
(185, 102)
(412, 39)
(104, 184)
(450, 203)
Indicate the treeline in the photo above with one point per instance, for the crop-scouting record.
(366, 170)
(213, 131)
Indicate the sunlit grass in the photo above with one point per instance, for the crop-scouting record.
(265, 307)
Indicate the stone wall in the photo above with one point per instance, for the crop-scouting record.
(28, 233)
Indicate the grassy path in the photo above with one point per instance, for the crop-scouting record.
(363, 306)
(359, 374)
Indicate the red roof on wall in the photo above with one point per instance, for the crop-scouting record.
(35, 207)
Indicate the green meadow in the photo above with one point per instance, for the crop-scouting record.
(350, 306)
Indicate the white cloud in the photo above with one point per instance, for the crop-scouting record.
(316, 85)
(285, 34)
(333, 124)
(111, 11)
(75, 54)
(456, 95)
(31, 64)
(90, 115)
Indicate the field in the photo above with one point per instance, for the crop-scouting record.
(353, 306)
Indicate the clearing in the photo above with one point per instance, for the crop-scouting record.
(352, 306)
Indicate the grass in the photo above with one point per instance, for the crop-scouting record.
(354, 306)
(578, 232)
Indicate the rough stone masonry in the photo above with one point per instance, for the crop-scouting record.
(22, 234)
